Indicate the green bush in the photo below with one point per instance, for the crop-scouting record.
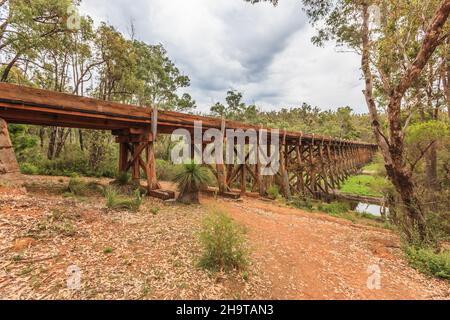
(117, 202)
(334, 208)
(79, 187)
(28, 168)
(299, 203)
(154, 211)
(223, 242)
(76, 186)
(428, 261)
(123, 178)
(72, 160)
(273, 192)
(165, 171)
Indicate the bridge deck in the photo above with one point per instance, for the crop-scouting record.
(26, 105)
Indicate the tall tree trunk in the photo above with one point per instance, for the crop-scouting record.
(52, 143)
(393, 148)
(80, 134)
(41, 136)
(63, 134)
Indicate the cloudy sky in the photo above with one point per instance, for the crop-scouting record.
(262, 51)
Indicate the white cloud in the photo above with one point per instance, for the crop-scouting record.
(262, 51)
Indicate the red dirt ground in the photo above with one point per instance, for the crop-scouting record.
(295, 254)
(314, 256)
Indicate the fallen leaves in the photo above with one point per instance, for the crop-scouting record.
(121, 254)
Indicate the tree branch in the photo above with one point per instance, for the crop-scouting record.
(422, 154)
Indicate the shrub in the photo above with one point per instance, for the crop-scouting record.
(123, 178)
(299, 203)
(428, 261)
(154, 211)
(334, 208)
(76, 186)
(165, 171)
(28, 168)
(273, 192)
(223, 243)
(71, 160)
(116, 202)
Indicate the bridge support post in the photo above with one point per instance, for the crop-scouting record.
(220, 167)
(299, 164)
(136, 153)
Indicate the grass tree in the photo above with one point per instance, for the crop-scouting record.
(191, 178)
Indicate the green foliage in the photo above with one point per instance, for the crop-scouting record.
(365, 185)
(223, 243)
(273, 191)
(236, 109)
(78, 187)
(28, 168)
(115, 201)
(123, 178)
(429, 262)
(191, 177)
(165, 171)
(21, 139)
(421, 134)
(154, 211)
(300, 203)
(341, 123)
(160, 79)
(108, 250)
(334, 208)
(71, 161)
(376, 167)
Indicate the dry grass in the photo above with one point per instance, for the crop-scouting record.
(122, 255)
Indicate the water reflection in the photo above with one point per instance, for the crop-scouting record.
(372, 209)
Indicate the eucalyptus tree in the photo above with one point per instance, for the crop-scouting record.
(236, 109)
(395, 46)
(161, 79)
(24, 28)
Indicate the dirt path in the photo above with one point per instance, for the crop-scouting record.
(314, 256)
(153, 254)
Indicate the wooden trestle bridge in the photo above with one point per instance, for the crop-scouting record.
(310, 165)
